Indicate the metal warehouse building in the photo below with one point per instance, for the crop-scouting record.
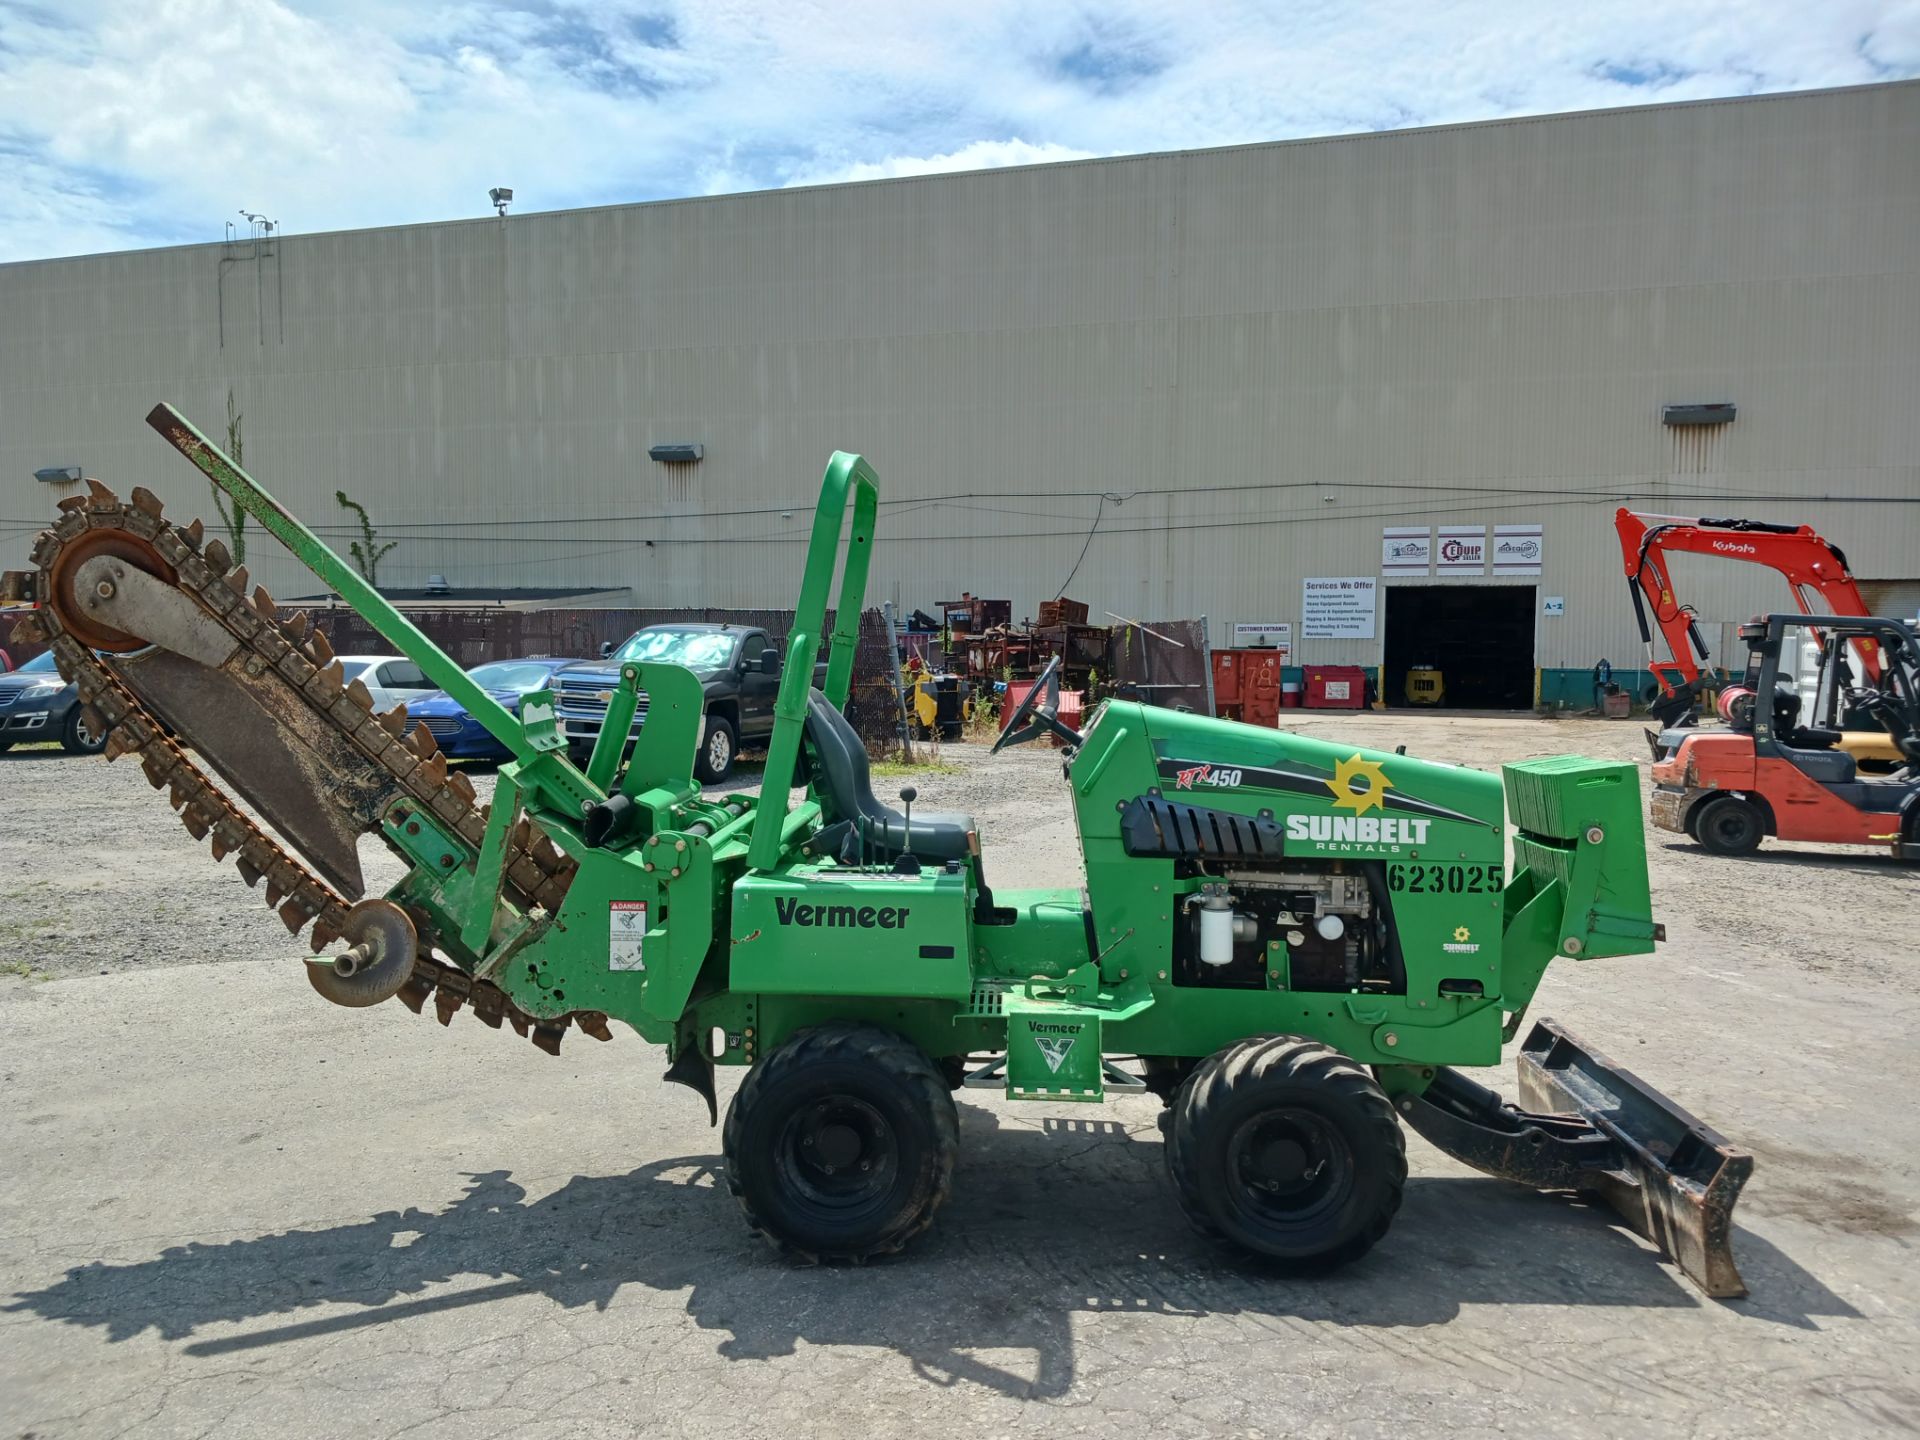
(1385, 389)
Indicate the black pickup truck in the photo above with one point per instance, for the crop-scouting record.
(737, 665)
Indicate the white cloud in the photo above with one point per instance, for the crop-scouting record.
(129, 122)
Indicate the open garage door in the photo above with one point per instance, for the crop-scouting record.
(1478, 637)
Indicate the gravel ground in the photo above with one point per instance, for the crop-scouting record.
(229, 1209)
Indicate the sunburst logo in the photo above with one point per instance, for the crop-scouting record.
(1461, 934)
(1359, 785)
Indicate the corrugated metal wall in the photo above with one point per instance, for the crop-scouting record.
(1259, 356)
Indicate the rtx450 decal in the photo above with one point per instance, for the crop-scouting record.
(1357, 785)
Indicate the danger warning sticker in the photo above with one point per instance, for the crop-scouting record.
(626, 930)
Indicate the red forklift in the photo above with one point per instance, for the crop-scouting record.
(1780, 767)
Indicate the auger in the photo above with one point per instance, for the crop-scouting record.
(1291, 943)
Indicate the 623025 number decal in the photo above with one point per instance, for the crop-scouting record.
(1445, 879)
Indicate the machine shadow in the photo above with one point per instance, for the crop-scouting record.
(1048, 1221)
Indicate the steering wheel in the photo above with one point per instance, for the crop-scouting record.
(1031, 718)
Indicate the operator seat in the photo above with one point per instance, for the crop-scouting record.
(837, 759)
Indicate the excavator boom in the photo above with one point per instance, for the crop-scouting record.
(1815, 570)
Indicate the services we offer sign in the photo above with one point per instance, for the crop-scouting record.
(1340, 608)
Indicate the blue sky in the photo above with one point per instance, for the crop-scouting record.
(126, 123)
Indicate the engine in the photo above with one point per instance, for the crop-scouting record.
(1326, 928)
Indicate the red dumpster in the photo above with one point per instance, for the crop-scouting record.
(1336, 687)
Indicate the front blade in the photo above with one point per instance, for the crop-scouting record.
(1676, 1179)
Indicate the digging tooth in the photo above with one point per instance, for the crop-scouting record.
(31, 630)
(548, 1037)
(194, 533)
(414, 993)
(216, 555)
(446, 1005)
(237, 580)
(434, 768)
(332, 680)
(120, 743)
(323, 934)
(276, 891)
(295, 914)
(517, 1018)
(196, 821)
(594, 1023)
(72, 503)
(146, 502)
(263, 603)
(394, 722)
(297, 627)
(517, 837)
(101, 495)
(420, 740)
(545, 853)
(363, 697)
(179, 791)
(155, 766)
(96, 722)
(249, 871)
(318, 648)
(462, 787)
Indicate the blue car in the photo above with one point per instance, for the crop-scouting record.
(460, 736)
(36, 704)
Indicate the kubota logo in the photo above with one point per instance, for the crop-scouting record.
(1734, 547)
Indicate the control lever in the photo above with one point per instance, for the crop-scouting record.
(907, 864)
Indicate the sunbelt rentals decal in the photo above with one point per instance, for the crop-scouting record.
(1362, 801)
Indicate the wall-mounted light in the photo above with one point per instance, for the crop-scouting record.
(676, 454)
(1719, 413)
(59, 474)
(500, 197)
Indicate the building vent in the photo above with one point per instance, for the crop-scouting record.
(59, 474)
(1721, 413)
(676, 454)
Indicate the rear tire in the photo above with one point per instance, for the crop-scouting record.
(840, 1145)
(1728, 825)
(1285, 1147)
(718, 746)
(77, 739)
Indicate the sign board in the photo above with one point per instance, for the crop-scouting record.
(1517, 549)
(1339, 609)
(1277, 634)
(1406, 550)
(1461, 550)
(1554, 605)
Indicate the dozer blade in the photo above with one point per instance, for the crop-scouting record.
(1596, 1128)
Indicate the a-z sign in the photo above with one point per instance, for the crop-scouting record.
(1339, 609)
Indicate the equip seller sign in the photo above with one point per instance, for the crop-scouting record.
(1339, 609)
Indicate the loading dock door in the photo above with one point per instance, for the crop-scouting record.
(1479, 637)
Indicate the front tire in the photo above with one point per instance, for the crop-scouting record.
(1283, 1146)
(77, 738)
(840, 1145)
(1728, 825)
(718, 745)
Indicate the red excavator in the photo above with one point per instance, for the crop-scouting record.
(1816, 570)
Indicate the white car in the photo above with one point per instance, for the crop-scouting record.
(390, 679)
